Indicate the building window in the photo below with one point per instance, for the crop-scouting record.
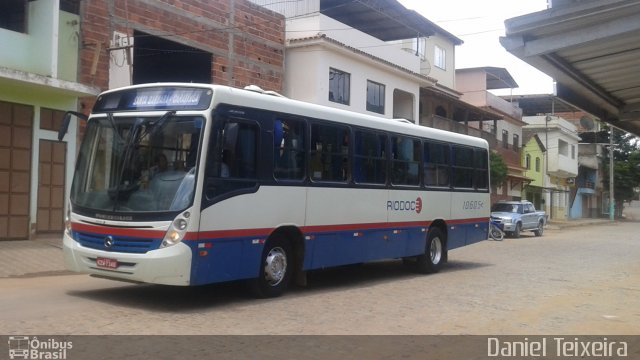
(516, 142)
(537, 164)
(375, 97)
(71, 6)
(527, 162)
(418, 46)
(440, 58)
(441, 111)
(563, 147)
(13, 15)
(51, 119)
(339, 86)
(573, 151)
(505, 139)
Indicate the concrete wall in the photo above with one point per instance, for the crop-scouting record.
(307, 78)
(556, 130)
(446, 76)
(532, 149)
(42, 35)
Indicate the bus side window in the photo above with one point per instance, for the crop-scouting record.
(330, 153)
(239, 150)
(233, 158)
(405, 163)
(436, 164)
(370, 163)
(463, 168)
(482, 169)
(289, 149)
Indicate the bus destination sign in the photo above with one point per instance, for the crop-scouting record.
(154, 98)
(178, 97)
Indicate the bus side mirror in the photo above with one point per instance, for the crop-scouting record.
(65, 123)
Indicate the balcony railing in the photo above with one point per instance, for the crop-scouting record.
(586, 184)
(483, 98)
(439, 122)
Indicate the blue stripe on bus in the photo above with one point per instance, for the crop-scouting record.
(235, 258)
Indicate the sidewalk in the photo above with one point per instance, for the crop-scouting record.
(563, 224)
(39, 257)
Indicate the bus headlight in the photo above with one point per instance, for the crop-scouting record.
(177, 230)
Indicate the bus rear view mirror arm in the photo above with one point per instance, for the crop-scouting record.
(67, 119)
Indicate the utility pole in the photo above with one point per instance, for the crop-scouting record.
(612, 200)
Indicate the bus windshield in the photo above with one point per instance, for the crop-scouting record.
(137, 163)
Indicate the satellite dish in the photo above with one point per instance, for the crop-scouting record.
(587, 123)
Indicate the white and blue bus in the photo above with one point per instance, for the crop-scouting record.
(191, 184)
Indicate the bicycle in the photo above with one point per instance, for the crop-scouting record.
(495, 230)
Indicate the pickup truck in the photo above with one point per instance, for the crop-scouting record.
(518, 216)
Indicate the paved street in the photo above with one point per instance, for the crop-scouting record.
(578, 280)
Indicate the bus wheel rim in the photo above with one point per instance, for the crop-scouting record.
(275, 267)
(435, 251)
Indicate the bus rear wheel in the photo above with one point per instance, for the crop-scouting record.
(435, 253)
(275, 269)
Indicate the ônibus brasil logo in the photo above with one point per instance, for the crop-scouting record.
(405, 205)
(24, 347)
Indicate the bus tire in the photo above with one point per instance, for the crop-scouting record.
(276, 265)
(435, 254)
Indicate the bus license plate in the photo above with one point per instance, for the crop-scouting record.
(107, 263)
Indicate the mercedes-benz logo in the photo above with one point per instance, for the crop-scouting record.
(108, 242)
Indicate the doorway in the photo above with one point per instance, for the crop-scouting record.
(158, 60)
(16, 127)
(51, 181)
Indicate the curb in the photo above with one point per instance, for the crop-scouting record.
(559, 225)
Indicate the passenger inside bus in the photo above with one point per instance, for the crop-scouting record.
(161, 165)
(289, 147)
(329, 152)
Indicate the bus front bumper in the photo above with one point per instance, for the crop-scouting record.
(168, 266)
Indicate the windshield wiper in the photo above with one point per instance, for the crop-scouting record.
(160, 123)
(135, 139)
(112, 121)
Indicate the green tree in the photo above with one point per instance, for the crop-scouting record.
(626, 168)
(498, 169)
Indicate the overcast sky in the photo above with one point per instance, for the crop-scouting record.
(480, 24)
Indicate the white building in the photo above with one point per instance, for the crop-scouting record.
(372, 57)
(560, 138)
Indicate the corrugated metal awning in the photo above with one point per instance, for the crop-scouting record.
(591, 48)
(386, 20)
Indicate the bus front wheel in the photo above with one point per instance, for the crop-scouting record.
(275, 269)
(435, 253)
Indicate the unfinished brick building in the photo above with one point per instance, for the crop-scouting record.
(230, 42)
